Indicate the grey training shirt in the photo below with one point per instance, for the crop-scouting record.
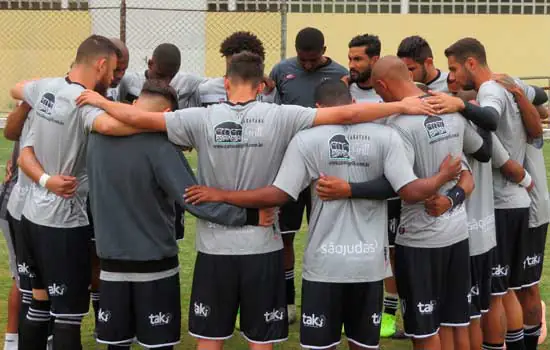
(240, 147)
(347, 238)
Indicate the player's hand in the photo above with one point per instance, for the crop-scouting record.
(506, 81)
(345, 79)
(61, 185)
(450, 168)
(200, 194)
(90, 97)
(332, 188)
(267, 216)
(531, 186)
(437, 205)
(416, 106)
(444, 103)
(269, 85)
(9, 174)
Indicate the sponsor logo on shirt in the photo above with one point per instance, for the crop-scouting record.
(484, 225)
(500, 271)
(314, 321)
(359, 248)
(376, 319)
(228, 132)
(339, 148)
(103, 315)
(57, 290)
(426, 308)
(290, 76)
(201, 310)
(352, 150)
(160, 319)
(274, 315)
(532, 261)
(436, 130)
(45, 108)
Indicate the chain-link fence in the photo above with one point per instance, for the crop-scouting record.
(43, 43)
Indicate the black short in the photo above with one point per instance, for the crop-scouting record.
(255, 283)
(328, 306)
(532, 249)
(433, 285)
(179, 224)
(394, 216)
(511, 226)
(60, 263)
(292, 213)
(480, 293)
(90, 217)
(21, 253)
(147, 311)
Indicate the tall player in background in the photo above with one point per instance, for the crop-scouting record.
(296, 79)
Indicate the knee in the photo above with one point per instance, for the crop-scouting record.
(40, 294)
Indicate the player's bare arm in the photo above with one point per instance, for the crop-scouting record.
(16, 92)
(107, 125)
(15, 121)
(61, 185)
(265, 197)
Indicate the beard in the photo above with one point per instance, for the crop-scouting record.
(101, 88)
(360, 77)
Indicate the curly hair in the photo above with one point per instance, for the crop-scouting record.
(242, 41)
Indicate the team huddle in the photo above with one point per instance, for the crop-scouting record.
(421, 188)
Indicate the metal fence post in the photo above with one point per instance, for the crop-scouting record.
(123, 21)
(284, 11)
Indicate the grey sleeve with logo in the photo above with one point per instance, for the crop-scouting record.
(397, 154)
(174, 175)
(184, 126)
(499, 154)
(295, 173)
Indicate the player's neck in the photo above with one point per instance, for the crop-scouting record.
(431, 75)
(365, 84)
(241, 94)
(483, 75)
(83, 75)
(409, 90)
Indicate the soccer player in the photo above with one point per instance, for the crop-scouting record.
(435, 309)
(212, 91)
(122, 65)
(133, 217)
(468, 66)
(296, 79)
(349, 232)
(55, 214)
(247, 139)
(417, 54)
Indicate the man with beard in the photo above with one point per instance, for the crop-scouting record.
(120, 71)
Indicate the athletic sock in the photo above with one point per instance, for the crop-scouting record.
(532, 334)
(290, 290)
(391, 302)
(490, 346)
(514, 340)
(26, 299)
(10, 341)
(33, 334)
(95, 304)
(66, 333)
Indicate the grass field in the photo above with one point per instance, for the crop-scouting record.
(187, 258)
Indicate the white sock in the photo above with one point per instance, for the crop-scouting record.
(11, 341)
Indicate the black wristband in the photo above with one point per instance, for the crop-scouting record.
(456, 195)
(252, 217)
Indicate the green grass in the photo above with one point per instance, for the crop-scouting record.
(187, 259)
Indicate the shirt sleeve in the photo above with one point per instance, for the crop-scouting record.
(499, 154)
(472, 141)
(396, 154)
(89, 114)
(492, 96)
(406, 138)
(31, 92)
(274, 75)
(184, 126)
(294, 119)
(174, 175)
(294, 174)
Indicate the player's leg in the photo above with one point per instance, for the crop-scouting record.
(455, 308)
(362, 314)
(419, 294)
(322, 315)
(214, 299)
(157, 308)
(34, 328)
(14, 297)
(532, 248)
(116, 318)
(94, 285)
(67, 271)
(391, 298)
(544, 330)
(481, 296)
(264, 320)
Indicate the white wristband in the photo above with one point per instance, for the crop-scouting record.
(526, 182)
(43, 179)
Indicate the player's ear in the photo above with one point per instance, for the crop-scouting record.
(353, 100)
(150, 64)
(135, 101)
(167, 109)
(226, 83)
(429, 61)
(324, 50)
(261, 88)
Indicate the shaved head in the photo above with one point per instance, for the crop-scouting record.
(391, 68)
(122, 63)
(392, 80)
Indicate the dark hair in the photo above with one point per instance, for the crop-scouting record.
(242, 41)
(96, 46)
(467, 47)
(372, 43)
(158, 87)
(415, 48)
(331, 93)
(310, 39)
(246, 66)
(168, 59)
